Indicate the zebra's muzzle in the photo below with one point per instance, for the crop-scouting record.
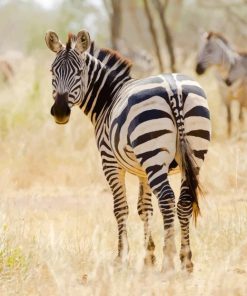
(60, 109)
(228, 82)
(200, 69)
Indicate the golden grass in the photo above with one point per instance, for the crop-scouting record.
(58, 234)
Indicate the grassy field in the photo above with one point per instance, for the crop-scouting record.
(57, 229)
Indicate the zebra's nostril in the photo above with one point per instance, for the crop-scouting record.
(228, 82)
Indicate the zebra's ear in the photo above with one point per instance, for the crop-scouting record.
(205, 35)
(53, 42)
(82, 41)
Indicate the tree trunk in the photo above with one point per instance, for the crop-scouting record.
(161, 10)
(153, 34)
(114, 9)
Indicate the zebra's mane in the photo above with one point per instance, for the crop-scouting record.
(111, 58)
(223, 39)
(217, 35)
(71, 41)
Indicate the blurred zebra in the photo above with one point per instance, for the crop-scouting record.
(145, 127)
(231, 68)
(238, 70)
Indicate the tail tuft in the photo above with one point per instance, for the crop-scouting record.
(195, 212)
(189, 168)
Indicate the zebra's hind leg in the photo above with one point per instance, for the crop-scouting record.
(116, 180)
(158, 181)
(145, 211)
(241, 118)
(184, 212)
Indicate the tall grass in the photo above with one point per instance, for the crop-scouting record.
(57, 230)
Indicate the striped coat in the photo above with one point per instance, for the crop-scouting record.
(145, 127)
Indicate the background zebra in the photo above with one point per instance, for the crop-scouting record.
(238, 71)
(145, 127)
(231, 66)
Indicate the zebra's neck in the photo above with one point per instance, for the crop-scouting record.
(104, 76)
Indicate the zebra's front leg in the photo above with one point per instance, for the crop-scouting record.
(145, 211)
(184, 211)
(116, 180)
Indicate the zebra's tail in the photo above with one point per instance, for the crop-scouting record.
(189, 168)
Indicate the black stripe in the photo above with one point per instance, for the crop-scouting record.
(148, 137)
(200, 153)
(158, 180)
(149, 154)
(151, 170)
(173, 165)
(96, 85)
(187, 89)
(200, 134)
(198, 111)
(146, 116)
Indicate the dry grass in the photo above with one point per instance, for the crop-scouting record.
(57, 230)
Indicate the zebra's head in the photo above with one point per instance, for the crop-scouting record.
(67, 72)
(234, 73)
(238, 70)
(214, 50)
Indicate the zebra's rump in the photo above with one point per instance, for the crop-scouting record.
(144, 129)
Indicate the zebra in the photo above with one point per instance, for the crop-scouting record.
(230, 64)
(146, 127)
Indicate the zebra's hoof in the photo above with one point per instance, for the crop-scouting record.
(149, 260)
(188, 267)
(119, 261)
(168, 266)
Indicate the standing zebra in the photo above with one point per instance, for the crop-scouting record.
(145, 127)
(231, 65)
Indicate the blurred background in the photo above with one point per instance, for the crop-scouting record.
(49, 172)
